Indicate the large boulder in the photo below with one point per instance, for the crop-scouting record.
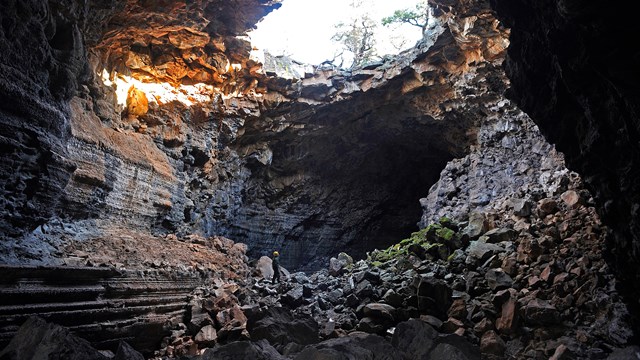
(355, 346)
(416, 338)
(258, 350)
(37, 339)
(279, 326)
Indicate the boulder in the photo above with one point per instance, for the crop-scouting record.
(521, 207)
(126, 352)
(293, 297)
(355, 346)
(498, 279)
(481, 251)
(258, 350)
(279, 326)
(382, 313)
(458, 309)
(434, 295)
(477, 225)
(415, 338)
(540, 312)
(571, 198)
(454, 347)
(492, 344)
(393, 298)
(507, 322)
(37, 339)
(499, 235)
(206, 337)
(547, 206)
(371, 326)
(264, 266)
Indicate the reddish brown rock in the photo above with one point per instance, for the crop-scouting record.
(508, 321)
(492, 344)
(458, 309)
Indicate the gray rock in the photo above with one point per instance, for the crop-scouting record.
(353, 347)
(481, 251)
(500, 234)
(477, 225)
(540, 312)
(393, 298)
(258, 350)
(415, 338)
(279, 326)
(294, 296)
(37, 339)
(126, 352)
(498, 279)
(521, 207)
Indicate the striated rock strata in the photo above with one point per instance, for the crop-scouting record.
(175, 129)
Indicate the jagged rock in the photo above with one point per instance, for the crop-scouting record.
(279, 326)
(458, 309)
(629, 352)
(452, 325)
(547, 206)
(540, 312)
(259, 350)
(264, 266)
(39, 339)
(380, 312)
(508, 321)
(294, 296)
(126, 352)
(392, 298)
(415, 338)
(499, 235)
(477, 225)
(371, 326)
(571, 198)
(455, 347)
(491, 343)
(434, 295)
(354, 346)
(199, 316)
(521, 207)
(498, 279)
(338, 265)
(481, 251)
(206, 337)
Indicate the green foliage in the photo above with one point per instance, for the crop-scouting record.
(445, 233)
(436, 240)
(419, 16)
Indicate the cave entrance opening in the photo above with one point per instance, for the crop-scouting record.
(336, 31)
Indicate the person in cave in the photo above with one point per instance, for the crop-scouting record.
(275, 264)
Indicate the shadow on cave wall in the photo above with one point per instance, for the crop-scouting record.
(357, 181)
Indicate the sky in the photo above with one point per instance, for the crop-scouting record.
(302, 29)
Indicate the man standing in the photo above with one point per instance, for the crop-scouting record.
(275, 263)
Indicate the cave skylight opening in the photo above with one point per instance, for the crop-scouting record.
(303, 30)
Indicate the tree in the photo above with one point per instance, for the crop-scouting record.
(357, 38)
(417, 17)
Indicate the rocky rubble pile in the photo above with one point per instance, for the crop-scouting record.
(529, 282)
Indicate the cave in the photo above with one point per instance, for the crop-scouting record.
(477, 190)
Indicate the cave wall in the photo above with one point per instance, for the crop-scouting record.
(308, 161)
(572, 73)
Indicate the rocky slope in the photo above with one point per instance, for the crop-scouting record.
(577, 81)
(122, 143)
(529, 282)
